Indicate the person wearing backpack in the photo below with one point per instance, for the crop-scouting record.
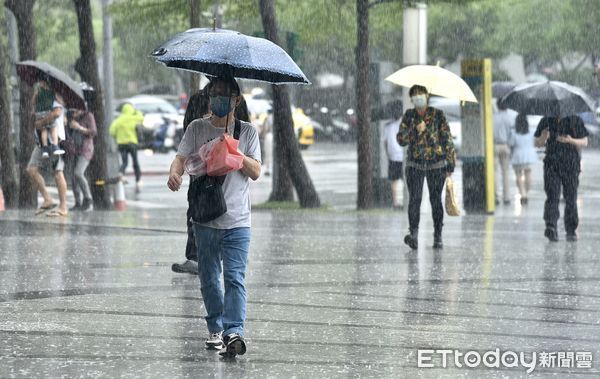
(430, 155)
(223, 243)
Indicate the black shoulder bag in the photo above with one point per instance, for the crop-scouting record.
(205, 194)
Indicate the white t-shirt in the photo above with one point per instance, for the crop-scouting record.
(59, 122)
(236, 187)
(395, 152)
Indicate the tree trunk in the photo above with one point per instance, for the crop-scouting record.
(23, 12)
(7, 154)
(87, 67)
(287, 154)
(365, 161)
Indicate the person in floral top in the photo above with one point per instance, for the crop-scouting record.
(430, 154)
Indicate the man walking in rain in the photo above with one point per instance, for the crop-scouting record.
(563, 138)
(223, 243)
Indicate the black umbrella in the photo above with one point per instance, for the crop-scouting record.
(548, 99)
(224, 52)
(61, 83)
(500, 89)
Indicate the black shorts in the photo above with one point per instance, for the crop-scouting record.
(395, 171)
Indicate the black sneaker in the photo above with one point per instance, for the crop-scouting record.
(46, 152)
(214, 341)
(187, 267)
(572, 237)
(551, 234)
(411, 241)
(56, 150)
(234, 345)
(76, 207)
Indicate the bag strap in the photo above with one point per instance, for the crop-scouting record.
(237, 130)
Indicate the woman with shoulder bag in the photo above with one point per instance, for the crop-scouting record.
(431, 156)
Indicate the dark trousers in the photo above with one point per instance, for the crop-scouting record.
(126, 150)
(191, 253)
(435, 182)
(555, 177)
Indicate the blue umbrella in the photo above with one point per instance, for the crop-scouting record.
(223, 52)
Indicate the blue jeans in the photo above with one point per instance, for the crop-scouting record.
(225, 312)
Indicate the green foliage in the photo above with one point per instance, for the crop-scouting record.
(324, 32)
(57, 33)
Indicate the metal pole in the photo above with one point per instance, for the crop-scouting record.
(107, 59)
(414, 51)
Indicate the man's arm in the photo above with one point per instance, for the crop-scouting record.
(577, 142)
(48, 119)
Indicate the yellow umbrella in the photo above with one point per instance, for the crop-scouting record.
(437, 80)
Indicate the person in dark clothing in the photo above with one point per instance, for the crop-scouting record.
(563, 138)
(430, 154)
(198, 108)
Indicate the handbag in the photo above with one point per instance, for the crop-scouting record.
(206, 198)
(452, 208)
(205, 195)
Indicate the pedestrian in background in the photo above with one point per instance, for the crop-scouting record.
(395, 155)
(523, 155)
(83, 130)
(503, 125)
(563, 137)
(198, 107)
(124, 131)
(430, 154)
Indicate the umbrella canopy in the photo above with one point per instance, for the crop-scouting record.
(223, 52)
(549, 99)
(437, 80)
(500, 89)
(61, 83)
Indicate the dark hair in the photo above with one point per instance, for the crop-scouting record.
(521, 124)
(228, 81)
(197, 107)
(501, 105)
(416, 89)
(42, 76)
(241, 111)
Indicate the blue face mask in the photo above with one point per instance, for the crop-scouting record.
(220, 105)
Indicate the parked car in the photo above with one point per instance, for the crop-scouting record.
(162, 128)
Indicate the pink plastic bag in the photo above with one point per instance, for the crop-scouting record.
(195, 164)
(224, 157)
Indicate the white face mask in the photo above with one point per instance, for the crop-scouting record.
(420, 101)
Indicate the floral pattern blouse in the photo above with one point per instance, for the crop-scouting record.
(432, 146)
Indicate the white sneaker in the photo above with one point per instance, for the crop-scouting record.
(214, 341)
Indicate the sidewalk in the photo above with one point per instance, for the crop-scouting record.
(330, 294)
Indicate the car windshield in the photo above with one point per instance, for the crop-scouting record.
(155, 107)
